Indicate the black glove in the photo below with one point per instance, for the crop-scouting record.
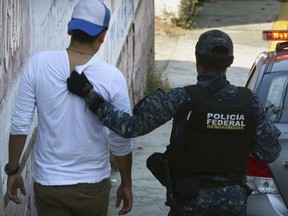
(79, 84)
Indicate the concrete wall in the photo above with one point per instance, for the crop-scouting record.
(166, 6)
(29, 26)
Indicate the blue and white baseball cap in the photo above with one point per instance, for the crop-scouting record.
(90, 16)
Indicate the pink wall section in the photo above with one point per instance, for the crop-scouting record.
(138, 55)
(15, 41)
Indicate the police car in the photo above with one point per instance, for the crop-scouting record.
(268, 78)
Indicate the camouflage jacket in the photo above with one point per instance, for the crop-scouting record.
(159, 107)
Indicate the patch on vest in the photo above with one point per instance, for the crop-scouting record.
(220, 121)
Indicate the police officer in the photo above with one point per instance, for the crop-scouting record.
(216, 125)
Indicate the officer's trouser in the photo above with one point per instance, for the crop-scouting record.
(214, 201)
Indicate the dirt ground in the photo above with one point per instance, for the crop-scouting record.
(164, 28)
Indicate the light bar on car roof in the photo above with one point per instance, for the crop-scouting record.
(281, 57)
(275, 35)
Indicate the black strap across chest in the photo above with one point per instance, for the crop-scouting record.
(203, 93)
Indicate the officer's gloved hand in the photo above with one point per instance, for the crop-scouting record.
(79, 84)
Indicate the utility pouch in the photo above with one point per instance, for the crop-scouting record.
(187, 188)
(155, 164)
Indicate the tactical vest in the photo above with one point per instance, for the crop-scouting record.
(216, 136)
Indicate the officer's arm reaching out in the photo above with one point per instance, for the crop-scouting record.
(150, 113)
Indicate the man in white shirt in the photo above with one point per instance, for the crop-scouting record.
(71, 158)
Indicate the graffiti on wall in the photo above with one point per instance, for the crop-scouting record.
(14, 30)
(121, 20)
(130, 34)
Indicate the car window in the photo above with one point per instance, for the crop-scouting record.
(277, 99)
(257, 69)
(252, 77)
(279, 65)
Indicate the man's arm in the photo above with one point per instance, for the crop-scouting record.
(124, 191)
(15, 181)
(265, 145)
(21, 120)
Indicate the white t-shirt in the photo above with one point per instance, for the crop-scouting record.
(72, 146)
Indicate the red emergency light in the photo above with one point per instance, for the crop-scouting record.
(275, 35)
(281, 57)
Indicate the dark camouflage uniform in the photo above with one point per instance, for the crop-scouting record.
(158, 108)
(217, 201)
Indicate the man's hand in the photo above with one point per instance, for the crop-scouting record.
(125, 194)
(79, 84)
(14, 182)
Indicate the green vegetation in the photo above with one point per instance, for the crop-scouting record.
(155, 81)
(187, 10)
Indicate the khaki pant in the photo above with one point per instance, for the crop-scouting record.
(73, 200)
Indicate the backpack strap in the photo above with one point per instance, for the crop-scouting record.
(197, 95)
(203, 93)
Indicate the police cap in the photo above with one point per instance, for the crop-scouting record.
(212, 39)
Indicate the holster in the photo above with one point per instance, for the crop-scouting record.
(177, 189)
(155, 164)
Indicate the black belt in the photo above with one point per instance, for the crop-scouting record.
(214, 183)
